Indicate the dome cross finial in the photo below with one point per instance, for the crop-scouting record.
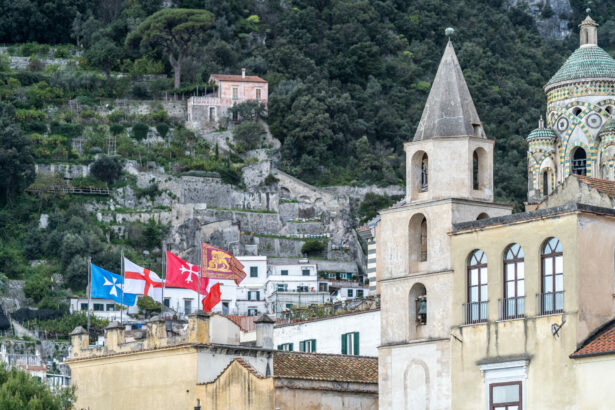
(588, 10)
(449, 32)
(541, 123)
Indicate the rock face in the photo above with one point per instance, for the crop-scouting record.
(273, 214)
(550, 25)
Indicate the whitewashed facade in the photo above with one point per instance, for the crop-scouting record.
(326, 334)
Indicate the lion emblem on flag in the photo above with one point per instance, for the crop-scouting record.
(218, 261)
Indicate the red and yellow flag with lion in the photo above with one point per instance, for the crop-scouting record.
(219, 264)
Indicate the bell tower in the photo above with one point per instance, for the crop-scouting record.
(449, 179)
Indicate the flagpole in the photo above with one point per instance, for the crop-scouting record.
(122, 294)
(89, 289)
(164, 275)
(198, 300)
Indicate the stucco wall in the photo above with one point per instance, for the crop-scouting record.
(592, 373)
(316, 399)
(145, 381)
(415, 376)
(588, 243)
(237, 389)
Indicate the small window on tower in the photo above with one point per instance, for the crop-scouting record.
(475, 171)
(424, 173)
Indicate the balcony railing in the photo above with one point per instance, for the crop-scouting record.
(512, 308)
(475, 312)
(549, 303)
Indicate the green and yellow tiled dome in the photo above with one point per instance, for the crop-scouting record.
(541, 132)
(608, 128)
(586, 62)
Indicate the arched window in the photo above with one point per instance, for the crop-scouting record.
(475, 184)
(418, 307)
(418, 239)
(609, 109)
(545, 183)
(514, 283)
(576, 111)
(424, 175)
(579, 161)
(476, 308)
(552, 296)
(482, 215)
(423, 257)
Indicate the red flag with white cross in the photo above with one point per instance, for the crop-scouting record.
(182, 274)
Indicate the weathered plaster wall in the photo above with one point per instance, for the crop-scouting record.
(415, 376)
(142, 382)
(237, 389)
(325, 396)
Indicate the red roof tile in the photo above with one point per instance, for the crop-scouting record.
(601, 185)
(599, 343)
(325, 367)
(238, 78)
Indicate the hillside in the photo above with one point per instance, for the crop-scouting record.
(86, 97)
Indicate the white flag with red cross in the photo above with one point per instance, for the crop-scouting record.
(141, 281)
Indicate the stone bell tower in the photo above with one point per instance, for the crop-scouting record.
(449, 179)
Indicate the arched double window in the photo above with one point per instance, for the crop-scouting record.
(552, 296)
(513, 305)
(578, 161)
(476, 308)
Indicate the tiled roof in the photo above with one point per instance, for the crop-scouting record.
(33, 368)
(238, 78)
(245, 323)
(599, 343)
(585, 62)
(541, 133)
(325, 367)
(601, 185)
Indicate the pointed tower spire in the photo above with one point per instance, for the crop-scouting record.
(449, 110)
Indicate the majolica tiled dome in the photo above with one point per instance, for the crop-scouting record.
(542, 133)
(586, 62)
(608, 128)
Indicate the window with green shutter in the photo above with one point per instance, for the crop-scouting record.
(350, 343)
(307, 345)
(253, 271)
(286, 346)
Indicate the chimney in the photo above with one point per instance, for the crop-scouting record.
(114, 336)
(198, 327)
(79, 340)
(264, 332)
(157, 331)
(243, 73)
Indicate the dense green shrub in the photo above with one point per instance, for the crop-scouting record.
(139, 131)
(313, 246)
(19, 390)
(248, 134)
(106, 169)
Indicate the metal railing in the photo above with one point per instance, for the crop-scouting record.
(475, 312)
(511, 308)
(549, 303)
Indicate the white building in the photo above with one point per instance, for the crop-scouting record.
(356, 333)
(101, 308)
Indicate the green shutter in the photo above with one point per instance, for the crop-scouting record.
(344, 351)
(313, 345)
(356, 343)
(290, 347)
(280, 347)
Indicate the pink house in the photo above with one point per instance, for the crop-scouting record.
(232, 89)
